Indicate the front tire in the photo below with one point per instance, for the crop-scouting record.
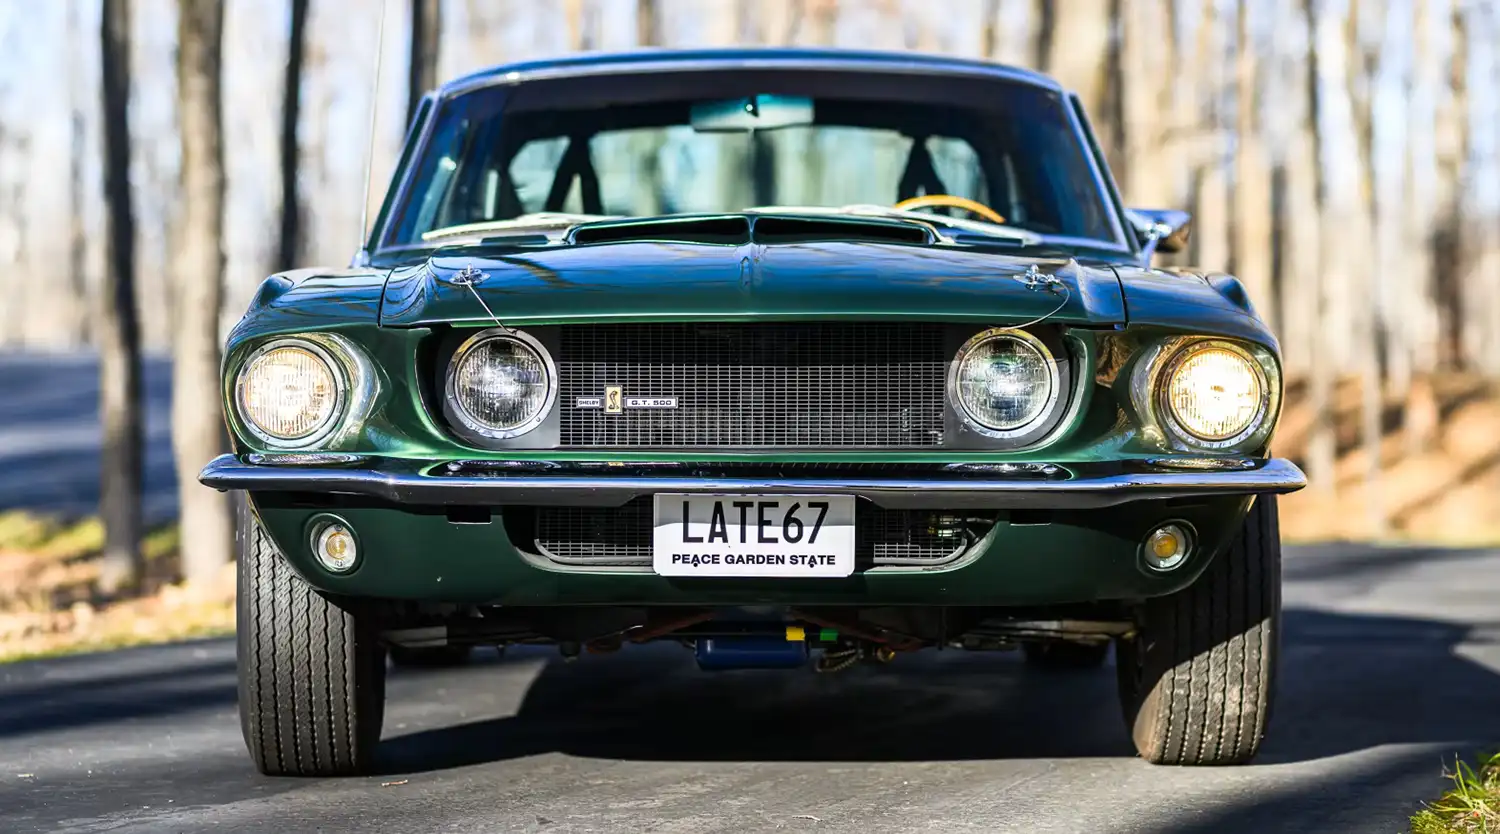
(1196, 679)
(311, 670)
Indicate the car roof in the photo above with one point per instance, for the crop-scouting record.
(680, 60)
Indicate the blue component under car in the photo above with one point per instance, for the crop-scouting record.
(721, 653)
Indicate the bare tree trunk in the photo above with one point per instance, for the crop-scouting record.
(1421, 202)
(1322, 442)
(77, 326)
(647, 27)
(579, 32)
(1252, 178)
(117, 326)
(426, 26)
(1368, 304)
(1075, 46)
(1209, 247)
(197, 422)
(291, 107)
(1146, 178)
(1479, 239)
(1290, 125)
(1450, 140)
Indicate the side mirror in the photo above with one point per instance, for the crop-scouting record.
(1160, 230)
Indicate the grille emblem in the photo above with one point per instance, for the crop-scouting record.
(614, 401)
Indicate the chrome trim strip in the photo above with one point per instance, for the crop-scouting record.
(1082, 491)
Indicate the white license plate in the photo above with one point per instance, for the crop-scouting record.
(753, 535)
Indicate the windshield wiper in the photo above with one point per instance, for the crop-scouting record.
(526, 222)
(994, 230)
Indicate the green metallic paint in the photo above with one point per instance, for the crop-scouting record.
(1099, 426)
(1079, 557)
(675, 281)
(1114, 312)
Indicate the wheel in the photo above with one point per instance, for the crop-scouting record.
(311, 671)
(1196, 679)
(1062, 655)
(435, 657)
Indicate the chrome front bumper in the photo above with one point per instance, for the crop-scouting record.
(896, 486)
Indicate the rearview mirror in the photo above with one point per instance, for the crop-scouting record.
(1160, 230)
(759, 112)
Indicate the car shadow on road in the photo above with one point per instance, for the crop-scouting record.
(1348, 683)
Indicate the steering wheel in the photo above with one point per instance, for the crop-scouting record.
(951, 201)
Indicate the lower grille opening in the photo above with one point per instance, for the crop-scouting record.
(621, 536)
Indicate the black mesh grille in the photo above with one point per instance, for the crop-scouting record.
(595, 535)
(909, 537)
(825, 384)
(622, 535)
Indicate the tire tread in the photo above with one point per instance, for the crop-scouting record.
(1196, 681)
(311, 671)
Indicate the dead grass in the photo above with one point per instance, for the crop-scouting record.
(49, 603)
(1443, 493)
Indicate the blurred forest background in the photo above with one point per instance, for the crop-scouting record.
(158, 158)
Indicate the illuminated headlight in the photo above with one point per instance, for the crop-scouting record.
(290, 393)
(500, 384)
(1215, 393)
(1005, 381)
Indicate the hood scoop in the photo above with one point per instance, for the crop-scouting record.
(765, 229)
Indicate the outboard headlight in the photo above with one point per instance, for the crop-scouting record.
(1214, 393)
(501, 383)
(1005, 381)
(290, 393)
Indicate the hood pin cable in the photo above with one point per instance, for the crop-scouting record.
(1037, 281)
(468, 277)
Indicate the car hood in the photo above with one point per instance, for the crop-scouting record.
(667, 280)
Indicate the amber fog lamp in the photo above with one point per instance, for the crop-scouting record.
(1215, 394)
(289, 394)
(335, 547)
(1167, 547)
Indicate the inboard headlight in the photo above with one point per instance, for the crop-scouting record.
(1215, 393)
(500, 384)
(1005, 381)
(289, 393)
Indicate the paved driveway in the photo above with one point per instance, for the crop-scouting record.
(1391, 666)
(49, 435)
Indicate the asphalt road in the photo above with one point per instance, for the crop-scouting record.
(49, 435)
(1391, 667)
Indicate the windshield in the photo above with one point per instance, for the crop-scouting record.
(551, 153)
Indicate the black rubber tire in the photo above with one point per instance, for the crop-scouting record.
(311, 670)
(1063, 655)
(1196, 681)
(434, 657)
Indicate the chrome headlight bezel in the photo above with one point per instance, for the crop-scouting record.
(1041, 418)
(1150, 388)
(460, 412)
(351, 381)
